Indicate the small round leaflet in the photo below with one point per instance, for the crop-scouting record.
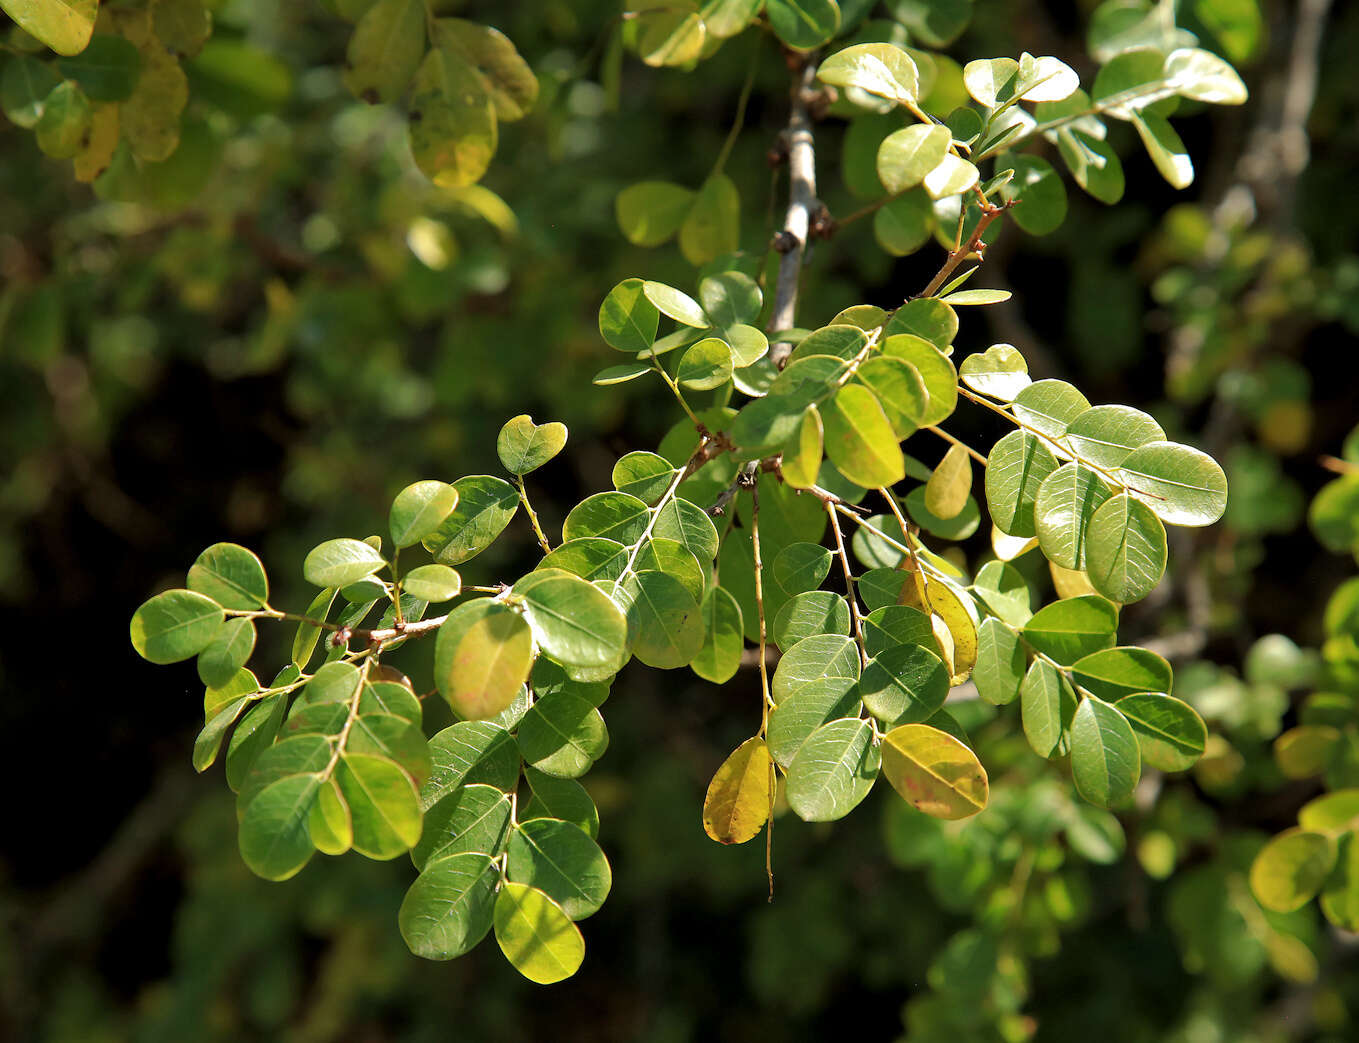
(934, 772)
(738, 802)
(524, 446)
(536, 936)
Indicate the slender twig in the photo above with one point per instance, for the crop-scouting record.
(679, 396)
(958, 442)
(766, 700)
(532, 517)
(989, 212)
(850, 593)
(792, 241)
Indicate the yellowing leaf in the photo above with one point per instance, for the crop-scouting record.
(934, 772)
(453, 131)
(739, 798)
(95, 157)
(64, 25)
(947, 490)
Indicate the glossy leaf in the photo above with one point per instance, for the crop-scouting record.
(232, 576)
(1126, 550)
(612, 515)
(904, 684)
(1000, 663)
(907, 155)
(833, 771)
(1105, 435)
(562, 735)
(1170, 733)
(1000, 372)
(1049, 406)
(801, 567)
(792, 721)
(536, 935)
(1047, 706)
(561, 860)
(432, 583)
(1067, 500)
(419, 510)
(524, 446)
(705, 365)
(627, 319)
(814, 659)
(1015, 470)
(448, 909)
(1116, 672)
(485, 506)
(1072, 628)
(338, 563)
(1105, 762)
(877, 68)
(1181, 485)
(643, 475)
(175, 625)
(805, 615)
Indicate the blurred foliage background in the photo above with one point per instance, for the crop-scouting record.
(285, 323)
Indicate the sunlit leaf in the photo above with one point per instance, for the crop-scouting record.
(739, 798)
(833, 770)
(934, 772)
(536, 936)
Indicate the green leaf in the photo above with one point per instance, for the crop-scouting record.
(1000, 372)
(482, 655)
(689, 525)
(613, 515)
(1105, 764)
(904, 684)
(712, 227)
(175, 625)
(502, 73)
(927, 318)
(644, 475)
(1290, 870)
(467, 753)
(25, 84)
(976, 297)
(573, 620)
(256, 733)
(731, 299)
(880, 69)
(304, 640)
(670, 32)
(1004, 591)
(1093, 163)
(676, 304)
(833, 770)
(951, 177)
(1171, 734)
(803, 454)
(992, 81)
(230, 575)
(228, 652)
(1047, 705)
(590, 557)
(419, 510)
(64, 127)
(1340, 899)
(705, 366)
(561, 860)
(892, 624)
(274, 837)
(903, 225)
(815, 659)
(1181, 485)
(665, 619)
(726, 18)
(448, 909)
(1202, 76)
(485, 506)
(209, 741)
(934, 772)
(900, 390)
(383, 802)
(794, 720)
(1165, 148)
(562, 735)
(106, 70)
(1000, 663)
(524, 446)
(947, 491)
(385, 50)
(1049, 406)
(63, 25)
(859, 438)
(1041, 206)
(1126, 550)
(1015, 470)
(627, 319)
(801, 567)
(959, 527)
(1332, 812)
(907, 155)
(1066, 502)
(803, 24)
(432, 583)
(808, 614)
(740, 796)
(563, 799)
(452, 126)
(338, 563)
(1116, 672)
(536, 935)
(329, 824)
(1072, 628)
(937, 372)
(720, 657)
(935, 23)
(1105, 435)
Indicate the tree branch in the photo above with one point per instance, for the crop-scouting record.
(791, 242)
